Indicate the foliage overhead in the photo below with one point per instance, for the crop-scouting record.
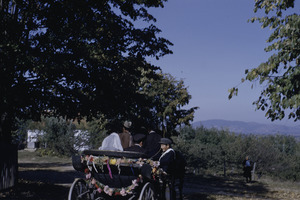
(280, 74)
(74, 58)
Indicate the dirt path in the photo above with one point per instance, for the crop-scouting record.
(45, 179)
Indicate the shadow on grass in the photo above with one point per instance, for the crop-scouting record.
(26, 190)
(50, 176)
(205, 187)
(41, 184)
(42, 181)
(43, 165)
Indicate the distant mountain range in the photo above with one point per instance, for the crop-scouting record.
(249, 127)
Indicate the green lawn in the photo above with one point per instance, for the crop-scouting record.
(25, 156)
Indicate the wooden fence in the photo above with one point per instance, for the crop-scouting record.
(8, 166)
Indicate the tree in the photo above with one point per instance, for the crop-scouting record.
(166, 98)
(59, 136)
(19, 136)
(280, 74)
(73, 58)
(97, 131)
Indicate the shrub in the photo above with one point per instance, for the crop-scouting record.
(59, 136)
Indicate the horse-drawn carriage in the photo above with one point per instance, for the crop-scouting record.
(118, 175)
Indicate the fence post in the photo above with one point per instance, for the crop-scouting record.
(253, 172)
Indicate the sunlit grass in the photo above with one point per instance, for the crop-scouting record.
(25, 156)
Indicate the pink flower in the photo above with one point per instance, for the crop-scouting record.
(88, 176)
(110, 192)
(134, 183)
(99, 190)
(123, 192)
(93, 181)
(105, 189)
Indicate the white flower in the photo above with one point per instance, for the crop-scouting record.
(123, 192)
(110, 192)
(105, 189)
(88, 176)
(134, 183)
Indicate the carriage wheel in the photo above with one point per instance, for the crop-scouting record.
(147, 192)
(79, 190)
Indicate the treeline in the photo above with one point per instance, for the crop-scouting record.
(211, 150)
(59, 136)
(206, 150)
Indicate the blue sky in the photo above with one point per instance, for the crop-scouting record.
(213, 45)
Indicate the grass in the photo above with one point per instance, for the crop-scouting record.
(25, 156)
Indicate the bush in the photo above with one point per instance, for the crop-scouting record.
(59, 136)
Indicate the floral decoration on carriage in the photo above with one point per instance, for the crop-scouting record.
(97, 164)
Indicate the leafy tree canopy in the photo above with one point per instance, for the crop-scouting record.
(166, 98)
(280, 74)
(74, 58)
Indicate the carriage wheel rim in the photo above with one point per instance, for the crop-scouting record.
(78, 190)
(147, 192)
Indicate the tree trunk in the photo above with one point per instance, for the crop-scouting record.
(5, 128)
(8, 165)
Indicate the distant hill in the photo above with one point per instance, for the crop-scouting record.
(249, 127)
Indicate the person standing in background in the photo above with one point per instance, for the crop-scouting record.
(247, 167)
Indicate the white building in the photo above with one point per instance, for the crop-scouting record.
(32, 138)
